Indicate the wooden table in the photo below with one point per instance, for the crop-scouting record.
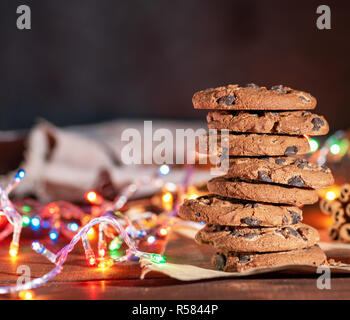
(78, 281)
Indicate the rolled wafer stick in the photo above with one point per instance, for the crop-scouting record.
(347, 210)
(333, 232)
(324, 206)
(339, 217)
(329, 206)
(344, 232)
(344, 193)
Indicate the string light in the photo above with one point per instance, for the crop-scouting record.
(334, 148)
(13, 249)
(86, 230)
(53, 235)
(164, 170)
(26, 209)
(73, 227)
(35, 222)
(151, 239)
(12, 215)
(91, 233)
(40, 249)
(25, 221)
(314, 145)
(93, 198)
(26, 295)
(330, 195)
(167, 201)
(105, 264)
(163, 232)
(115, 244)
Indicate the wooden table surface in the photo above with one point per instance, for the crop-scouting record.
(78, 281)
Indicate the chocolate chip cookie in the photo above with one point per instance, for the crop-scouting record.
(254, 145)
(289, 171)
(218, 210)
(237, 262)
(261, 192)
(243, 239)
(290, 122)
(253, 97)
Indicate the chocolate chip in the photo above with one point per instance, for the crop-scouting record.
(229, 100)
(220, 261)
(251, 222)
(250, 235)
(301, 165)
(292, 232)
(296, 182)
(280, 161)
(236, 233)
(304, 98)
(285, 219)
(296, 218)
(264, 176)
(318, 123)
(280, 233)
(267, 159)
(243, 259)
(324, 169)
(291, 151)
(252, 85)
(198, 214)
(278, 88)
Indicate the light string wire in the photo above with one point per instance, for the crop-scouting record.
(107, 219)
(62, 255)
(12, 215)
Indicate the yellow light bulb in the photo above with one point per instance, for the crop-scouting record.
(105, 264)
(13, 249)
(26, 295)
(330, 195)
(167, 197)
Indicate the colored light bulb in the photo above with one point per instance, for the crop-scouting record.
(73, 227)
(93, 197)
(13, 249)
(90, 257)
(40, 249)
(157, 258)
(91, 233)
(151, 239)
(25, 221)
(115, 244)
(26, 209)
(35, 222)
(105, 264)
(164, 169)
(20, 175)
(53, 235)
(334, 148)
(314, 145)
(330, 195)
(163, 232)
(26, 295)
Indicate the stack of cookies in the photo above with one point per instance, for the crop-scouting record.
(253, 213)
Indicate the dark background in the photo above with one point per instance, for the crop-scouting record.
(86, 61)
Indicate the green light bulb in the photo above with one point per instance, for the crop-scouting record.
(115, 244)
(157, 258)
